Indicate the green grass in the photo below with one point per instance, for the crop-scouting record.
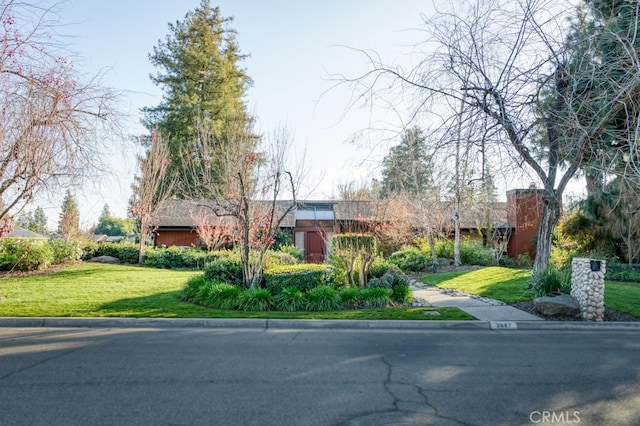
(505, 284)
(98, 290)
(508, 285)
(623, 297)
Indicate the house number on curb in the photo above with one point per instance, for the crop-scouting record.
(503, 325)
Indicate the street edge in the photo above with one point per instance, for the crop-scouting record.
(261, 323)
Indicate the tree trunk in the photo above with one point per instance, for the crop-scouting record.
(432, 246)
(550, 218)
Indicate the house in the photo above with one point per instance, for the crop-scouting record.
(23, 233)
(313, 223)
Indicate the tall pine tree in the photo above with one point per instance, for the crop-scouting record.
(204, 89)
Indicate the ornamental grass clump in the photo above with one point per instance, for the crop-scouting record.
(323, 298)
(376, 297)
(290, 299)
(350, 297)
(256, 299)
(223, 296)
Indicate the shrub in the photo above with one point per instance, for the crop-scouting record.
(550, 281)
(401, 294)
(290, 299)
(65, 250)
(225, 268)
(350, 297)
(292, 251)
(255, 299)
(222, 295)
(323, 298)
(277, 258)
(617, 271)
(127, 253)
(24, 255)
(379, 267)
(409, 260)
(474, 253)
(377, 297)
(524, 260)
(303, 276)
(192, 288)
(378, 282)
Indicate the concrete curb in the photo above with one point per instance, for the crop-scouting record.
(282, 324)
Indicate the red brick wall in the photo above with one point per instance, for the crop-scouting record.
(524, 214)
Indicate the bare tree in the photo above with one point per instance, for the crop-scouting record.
(247, 187)
(54, 123)
(507, 63)
(154, 185)
(212, 232)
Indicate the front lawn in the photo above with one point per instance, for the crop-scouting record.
(98, 290)
(508, 285)
(505, 284)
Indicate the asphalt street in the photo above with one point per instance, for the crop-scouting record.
(173, 376)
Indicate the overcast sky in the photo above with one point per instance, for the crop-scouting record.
(294, 48)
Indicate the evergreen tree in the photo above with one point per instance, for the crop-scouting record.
(203, 88)
(113, 226)
(407, 169)
(69, 223)
(35, 221)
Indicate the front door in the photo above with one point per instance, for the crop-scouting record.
(314, 248)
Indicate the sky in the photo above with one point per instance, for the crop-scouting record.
(295, 49)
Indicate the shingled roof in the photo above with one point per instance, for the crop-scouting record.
(175, 213)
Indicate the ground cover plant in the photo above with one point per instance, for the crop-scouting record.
(99, 290)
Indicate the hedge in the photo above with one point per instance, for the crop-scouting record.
(303, 276)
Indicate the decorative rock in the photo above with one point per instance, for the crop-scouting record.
(444, 262)
(105, 259)
(558, 305)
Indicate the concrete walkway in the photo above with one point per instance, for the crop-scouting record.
(480, 308)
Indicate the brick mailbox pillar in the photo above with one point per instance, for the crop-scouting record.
(587, 287)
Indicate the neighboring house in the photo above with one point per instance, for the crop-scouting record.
(312, 224)
(103, 238)
(23, 233)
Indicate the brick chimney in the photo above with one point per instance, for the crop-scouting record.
(524, 215)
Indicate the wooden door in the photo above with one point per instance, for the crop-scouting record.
(314, 248)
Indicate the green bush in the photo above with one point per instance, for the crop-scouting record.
(290, 299)
(474, 253)
(25, 255)
(277, 258)
(378, 282)
(225, 268)
(401, 294)
(379, 267)
(524, 260)
(65, 250)
(255, 299)
(409, 260)
(192, 288)
(323, 298)
(127, 253)
(222, 295)
(550, 281)
(292, 251)
(350, 297)
(303, 276)
(617, 271)
(377, 297)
